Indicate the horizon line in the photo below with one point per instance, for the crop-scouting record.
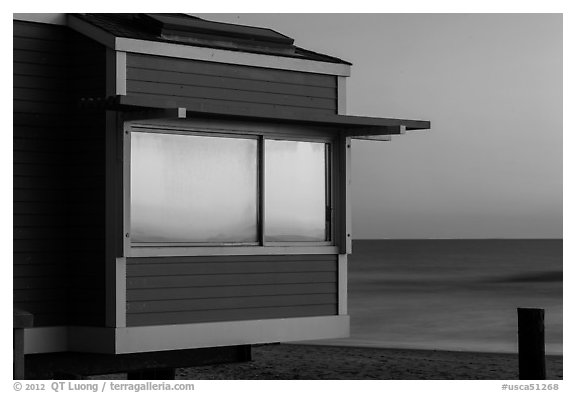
(465, 238)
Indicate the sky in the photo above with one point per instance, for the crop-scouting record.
(491, 85)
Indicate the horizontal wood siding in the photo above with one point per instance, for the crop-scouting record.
(57, 176)
(41, 184)
(190, 83)
(225, 288)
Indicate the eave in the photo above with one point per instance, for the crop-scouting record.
(131, 45)
(360, 127)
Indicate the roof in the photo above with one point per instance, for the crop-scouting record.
(189, 30)
(183, 33)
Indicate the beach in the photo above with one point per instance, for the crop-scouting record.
(323, 362)
(329, 362)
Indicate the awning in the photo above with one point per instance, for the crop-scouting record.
(360, 127)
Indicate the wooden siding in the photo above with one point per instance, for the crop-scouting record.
(40, 171)
(57, 176)
(191, 84)
(180, 290)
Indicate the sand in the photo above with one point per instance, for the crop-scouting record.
(313, 362)
(329, 362)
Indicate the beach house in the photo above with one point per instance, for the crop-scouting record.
(181, 191)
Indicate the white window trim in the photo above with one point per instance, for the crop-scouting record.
(189, 249)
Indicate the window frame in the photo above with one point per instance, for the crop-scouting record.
(261, 247)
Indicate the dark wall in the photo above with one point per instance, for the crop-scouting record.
(227, 288)
(87, 209)
(169, 82)
(58, 176)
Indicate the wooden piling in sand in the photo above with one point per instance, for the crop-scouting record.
(531, 344)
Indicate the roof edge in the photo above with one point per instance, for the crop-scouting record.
(50, 19)
(179, 50)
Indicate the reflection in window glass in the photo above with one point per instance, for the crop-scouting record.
(191, 188)
(295, 191)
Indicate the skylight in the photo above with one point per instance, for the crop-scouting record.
(191, 29)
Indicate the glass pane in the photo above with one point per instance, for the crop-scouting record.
(295, 191)
(190, 188)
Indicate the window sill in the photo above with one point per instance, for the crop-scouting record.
(148, 251)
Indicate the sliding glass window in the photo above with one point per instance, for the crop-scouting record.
(193, 189)
(196, 189)
(295, 191)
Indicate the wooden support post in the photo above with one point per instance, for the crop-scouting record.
(531, 344)
(244, 353)
(18, 353)
(153, 374)
(21, 319)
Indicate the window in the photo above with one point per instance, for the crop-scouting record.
(193, 189)
(295, 191)
(200, 189)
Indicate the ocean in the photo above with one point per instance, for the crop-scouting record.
(458, 295)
